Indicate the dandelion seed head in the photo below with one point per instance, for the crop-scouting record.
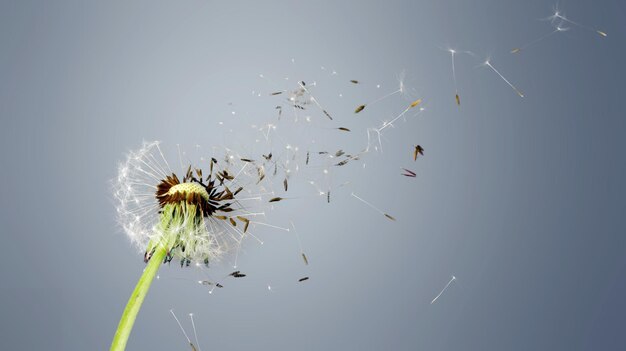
(195, 216)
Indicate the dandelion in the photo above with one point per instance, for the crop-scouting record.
(558, 15)
(191, 217)
(557, 29)
(488, 64)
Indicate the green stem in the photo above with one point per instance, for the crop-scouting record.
(136, 299)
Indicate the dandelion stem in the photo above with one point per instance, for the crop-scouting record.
(136, 299)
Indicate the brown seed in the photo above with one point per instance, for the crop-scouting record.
(344, 129)
(306, 261)
(458, 100)
(327, 114)
(285, 184)
(303, 279)
(276, 93)
(246, 221)
(388, 216)
(415, 103)
(354, 81)
(276, 199)
(418, 150)
(359, 109)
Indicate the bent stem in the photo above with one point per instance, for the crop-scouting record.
(136, 299)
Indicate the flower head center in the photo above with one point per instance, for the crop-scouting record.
(189, 188)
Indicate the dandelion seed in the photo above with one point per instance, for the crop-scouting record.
(193, 348)
(415, 103)
(193, 325)
(276, 93)
(390, 123)
(418, 150)
(302, 85)
(344, 129)
(456, 89)
(409, 173)
(303, 279)
(400, 90)
(487, 63)
(359, 108)
(444, 289)
(276, 199)
(557, 29)
(390, 217)
(373, 207)
(304, 258)
(237, 274)
(558, 15)
(354, 81)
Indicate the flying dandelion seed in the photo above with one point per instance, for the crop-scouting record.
(401, 90)
(488, 64)
(304, 258)
(557, 15)
(193, 348)
(409, 173)
(557, 29)
(453, 54)
(195, 334)
(373, 207)
(303, 86)
(387, 124)
(456, 89)
(444, 289)
(419, 150)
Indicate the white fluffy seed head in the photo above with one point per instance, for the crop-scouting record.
(203, 237)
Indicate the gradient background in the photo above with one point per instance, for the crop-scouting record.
(521, 199)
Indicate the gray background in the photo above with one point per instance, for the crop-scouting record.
(521, 199)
